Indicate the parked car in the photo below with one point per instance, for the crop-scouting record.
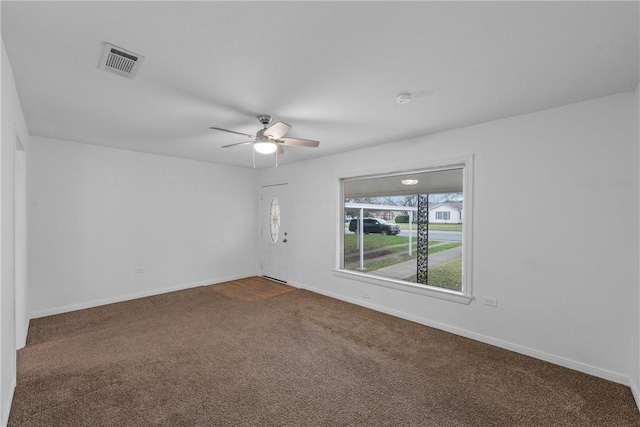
(375, 225)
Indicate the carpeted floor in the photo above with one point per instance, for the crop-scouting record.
(200, 358)
(251, 289)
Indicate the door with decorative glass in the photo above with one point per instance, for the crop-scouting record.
(274, 255)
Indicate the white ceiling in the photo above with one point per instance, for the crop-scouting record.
(332, 70)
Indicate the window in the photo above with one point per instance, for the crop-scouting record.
(443, 215)
(415, 249)
(274, 220)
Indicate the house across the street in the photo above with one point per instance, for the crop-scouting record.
(446, 213)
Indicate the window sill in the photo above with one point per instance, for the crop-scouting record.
(401, 285)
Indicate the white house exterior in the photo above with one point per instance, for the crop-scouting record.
(446, 213)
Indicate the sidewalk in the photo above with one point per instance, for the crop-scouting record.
(408, 268)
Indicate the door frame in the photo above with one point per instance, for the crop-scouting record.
(286, 217)
(20, 242)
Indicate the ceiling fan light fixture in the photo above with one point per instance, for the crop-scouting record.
(265, 147)
(409, 181)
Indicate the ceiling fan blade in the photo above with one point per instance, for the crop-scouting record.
(280, 150)
(298, 141)
(237, 143)
(233, 131)
(277, 130)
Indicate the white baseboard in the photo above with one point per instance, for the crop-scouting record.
(6, 407)
(21, 341)
(551, 358)
(121, 298)
(636, 394)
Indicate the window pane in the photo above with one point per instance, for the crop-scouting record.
(274, 220)
(417, 239)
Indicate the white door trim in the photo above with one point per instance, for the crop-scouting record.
(274, 253)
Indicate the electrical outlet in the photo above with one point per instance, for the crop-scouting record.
(139, 270)
(491, 302)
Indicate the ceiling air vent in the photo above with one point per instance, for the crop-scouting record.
(120, 61)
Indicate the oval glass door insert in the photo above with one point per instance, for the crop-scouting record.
(274, 220)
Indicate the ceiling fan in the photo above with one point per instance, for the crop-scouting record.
(270, 139)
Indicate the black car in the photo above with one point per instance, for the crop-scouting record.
(375, 225)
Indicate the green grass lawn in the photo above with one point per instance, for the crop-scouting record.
(447, 275)
(372, 241)
(439, 227)
(378, 241)
(444, 247)
(374, 265)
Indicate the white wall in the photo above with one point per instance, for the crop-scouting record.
(564, 287)
(97, 214)
(13, 125)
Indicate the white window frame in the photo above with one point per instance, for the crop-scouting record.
(466, 295)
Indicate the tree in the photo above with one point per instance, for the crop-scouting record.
(445, 197)
(408, 200)
(354, 212)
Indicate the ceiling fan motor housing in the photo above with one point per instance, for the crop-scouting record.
(265, 119)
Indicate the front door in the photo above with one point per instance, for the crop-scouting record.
(274, 259)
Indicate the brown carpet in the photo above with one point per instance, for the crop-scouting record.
(198, 358)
